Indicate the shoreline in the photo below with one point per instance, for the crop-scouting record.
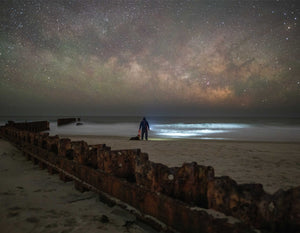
(272, 164)
(176, 139)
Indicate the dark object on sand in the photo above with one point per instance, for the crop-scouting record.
(64, 121)
(104, 219)
(79, 123)
(135, 138)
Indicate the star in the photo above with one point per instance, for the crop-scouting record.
(178, 52)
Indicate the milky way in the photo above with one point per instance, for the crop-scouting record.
(149, 57)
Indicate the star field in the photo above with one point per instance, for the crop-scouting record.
(149, 57)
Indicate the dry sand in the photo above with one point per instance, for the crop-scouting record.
(31, 200)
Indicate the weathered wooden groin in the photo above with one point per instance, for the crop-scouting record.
(65, 121)
(176, 196)
(36, 126)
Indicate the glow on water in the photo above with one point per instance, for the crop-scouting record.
(188, 133)
(194, 130)
(203, 126)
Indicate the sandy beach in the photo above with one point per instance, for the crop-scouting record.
(31, 200)
(34, 201)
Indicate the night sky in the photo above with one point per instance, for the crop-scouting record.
(87, 57)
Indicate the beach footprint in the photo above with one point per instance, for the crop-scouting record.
(70, 222)
(12, 214)
(32, 219)
(51, 226)
(3, 154)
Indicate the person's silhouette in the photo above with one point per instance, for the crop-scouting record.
(144, 126)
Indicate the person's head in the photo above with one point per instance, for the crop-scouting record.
(144, 118)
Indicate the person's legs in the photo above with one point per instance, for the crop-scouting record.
(143, 132)
(146, 134)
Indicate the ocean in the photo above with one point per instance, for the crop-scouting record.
(205, 128)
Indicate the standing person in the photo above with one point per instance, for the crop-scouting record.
(144, 125)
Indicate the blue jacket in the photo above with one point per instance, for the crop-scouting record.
(144, 125)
